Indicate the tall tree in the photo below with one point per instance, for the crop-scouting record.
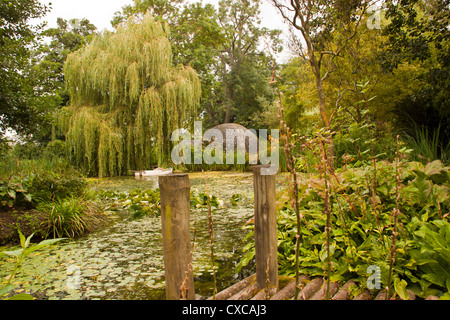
(47, 62)
(224, 46)
(126, 99)
(166, 10)
(197, 39)
(316, 20)
(240, 21)
(17, 38)
(419, 34)
(69, 36)
(195, 35)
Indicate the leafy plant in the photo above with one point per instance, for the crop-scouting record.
(20, 255)
(49, 185)
(67, 217)
(362, 227)
(236, 198)
(356, 143)
(13, 194)
(55, 149)
(432, 257)
(139, 203)
(203, 200)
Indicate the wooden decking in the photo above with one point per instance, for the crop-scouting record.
(309, 289)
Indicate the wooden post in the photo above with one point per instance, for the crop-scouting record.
(266, 247)
(175, 214)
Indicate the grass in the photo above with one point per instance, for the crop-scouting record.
(428, 145)
(13, 166)
(68, 217)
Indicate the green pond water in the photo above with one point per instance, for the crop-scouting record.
(124, 259)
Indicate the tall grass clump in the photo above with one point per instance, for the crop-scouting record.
(68, 217)
(427, 144)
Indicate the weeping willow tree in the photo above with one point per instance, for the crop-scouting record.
(126, 99)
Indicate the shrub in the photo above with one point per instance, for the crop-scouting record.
(47, 185)
(357, 143)
(28, 150)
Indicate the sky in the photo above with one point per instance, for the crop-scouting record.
(100, 13)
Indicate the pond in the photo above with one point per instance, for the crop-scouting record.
(124, 259)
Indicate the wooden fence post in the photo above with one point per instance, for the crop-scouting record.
(266, 246)
(175, 216)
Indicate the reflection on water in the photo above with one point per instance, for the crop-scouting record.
(124, 260)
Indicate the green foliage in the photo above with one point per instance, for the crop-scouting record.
(160, 9)
(139, 203)
(432, 255)
(25, 168)
(68, 217)
(20, 255)
(28, 150)
(14, 194)
(55, 189)
(55, 149)
(418, 34)
(362, 226)
(203, 200)
(17, 38)
(427, 145)
(236, 198)
(126, 99)
(48, 185)
(27, 183)
(5, 147)
(357, 143)
(47, 77)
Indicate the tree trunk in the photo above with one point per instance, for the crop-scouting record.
(228, 114)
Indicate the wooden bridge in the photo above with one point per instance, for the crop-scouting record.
(308, 289)
(265, 283)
